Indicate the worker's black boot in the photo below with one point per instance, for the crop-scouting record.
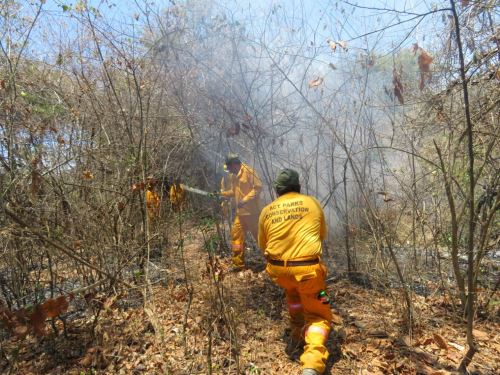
(294, 349)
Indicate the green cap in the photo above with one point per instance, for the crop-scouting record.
(232, 158)
(287, 177)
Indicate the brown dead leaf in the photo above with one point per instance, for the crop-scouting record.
(440, 341)
(87, 360)
(87, 175)
(353, 349)
(37, 320)
(398, 86)
(242, 330)
(496, 346)
(36, 183)
(109, 302)
(424, 63)
(454, 357)
(332, 44)
(55, 306)
(389, 356)
(21, 331)
(359, 325)
(480, 335)
(378, 363)
(373, 349)
(428, 341)
(315, 82)
(424, 369)
(337, 319)
(401, 364)
(60, 140)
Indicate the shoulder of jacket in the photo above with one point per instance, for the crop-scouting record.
(316, 202)
(308, 198)
(247, 168)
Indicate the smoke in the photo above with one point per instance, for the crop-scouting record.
(265, 82)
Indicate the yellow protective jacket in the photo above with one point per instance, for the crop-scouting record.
(292, 228)
(177, 195)
(245, 187)
(152, 203)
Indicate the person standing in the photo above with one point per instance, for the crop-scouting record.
(177, 196)
(152, 199)
(245, 188)
(291, 230)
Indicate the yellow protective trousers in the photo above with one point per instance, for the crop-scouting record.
(309, 317)
(241, 225)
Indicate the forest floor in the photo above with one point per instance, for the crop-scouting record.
(369, 335)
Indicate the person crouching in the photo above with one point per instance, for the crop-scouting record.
(291, 230)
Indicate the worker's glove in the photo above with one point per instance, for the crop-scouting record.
(214, 195)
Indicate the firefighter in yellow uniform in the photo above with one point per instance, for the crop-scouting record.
(245, 188)
(152, 200)
(177, 196)
(291, 229)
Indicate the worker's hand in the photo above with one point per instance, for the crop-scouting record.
(214, 195)
(241, 204)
